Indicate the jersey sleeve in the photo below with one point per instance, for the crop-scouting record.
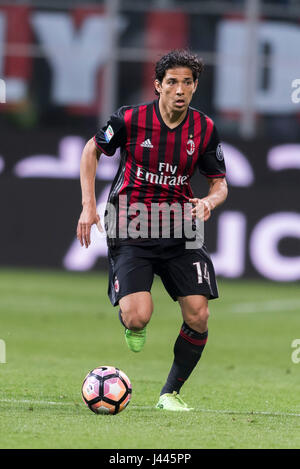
(112, 135)
(211, 161)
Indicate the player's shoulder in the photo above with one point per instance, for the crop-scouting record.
(125, 113)
(135, 107)
(202, 115)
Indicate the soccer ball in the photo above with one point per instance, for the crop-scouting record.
(106, 390)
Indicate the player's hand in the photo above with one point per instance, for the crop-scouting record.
(88, 217)
(202, 209)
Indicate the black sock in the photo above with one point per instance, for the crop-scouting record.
(187, 352)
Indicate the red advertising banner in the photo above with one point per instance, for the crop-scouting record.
(165, 30)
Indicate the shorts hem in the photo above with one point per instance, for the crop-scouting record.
(208, 295)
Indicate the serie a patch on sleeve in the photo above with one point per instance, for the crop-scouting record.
(219, 152)
(109, 133)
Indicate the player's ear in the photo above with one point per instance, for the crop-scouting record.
(157, 86)
(195, 85)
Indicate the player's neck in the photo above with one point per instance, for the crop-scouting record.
(170, 117)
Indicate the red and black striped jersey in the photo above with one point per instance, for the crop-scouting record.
(157, 162)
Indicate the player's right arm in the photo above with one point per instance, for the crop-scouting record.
(89, 216)
(107, 140)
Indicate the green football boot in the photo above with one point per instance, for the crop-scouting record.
(172, 402)
(135, 339)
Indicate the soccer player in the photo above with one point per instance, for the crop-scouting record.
(162, 143)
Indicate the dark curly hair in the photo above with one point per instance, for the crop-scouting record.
(178, 58)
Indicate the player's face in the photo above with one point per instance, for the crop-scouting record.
(177, 88)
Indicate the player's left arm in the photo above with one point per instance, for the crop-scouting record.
(211, 165)
(217, 194)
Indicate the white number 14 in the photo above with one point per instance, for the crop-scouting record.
(199, 272)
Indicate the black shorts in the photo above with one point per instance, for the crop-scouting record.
(182, 271)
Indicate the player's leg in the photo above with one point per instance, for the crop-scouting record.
(195, 312)
(130, 281)
(136, 310)
(135, 313)
(190, 342)
(190, 280)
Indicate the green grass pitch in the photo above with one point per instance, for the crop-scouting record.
(57, 326)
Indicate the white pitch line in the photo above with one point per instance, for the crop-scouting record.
(138, 407)
(29, 401)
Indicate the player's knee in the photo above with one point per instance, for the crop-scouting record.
(136, 310)
(136, 323)
(136, 319)
(198, 318)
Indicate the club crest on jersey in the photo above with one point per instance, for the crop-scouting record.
(219, 152)
(109, 133)
(116, 285)
(190, 147)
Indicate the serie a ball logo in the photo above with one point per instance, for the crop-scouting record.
(106, 390)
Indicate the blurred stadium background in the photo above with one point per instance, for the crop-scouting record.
(66, 65)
